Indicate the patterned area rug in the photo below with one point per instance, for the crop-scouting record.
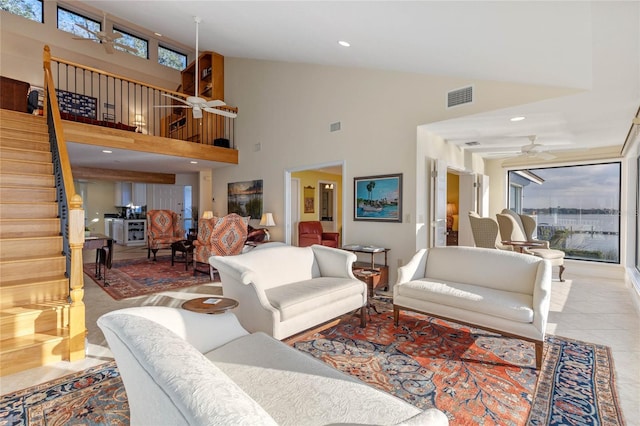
(477, 378)
(138, 277)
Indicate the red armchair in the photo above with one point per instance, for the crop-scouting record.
(163, 229)
(310, 233)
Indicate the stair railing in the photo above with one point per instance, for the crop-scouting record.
(70, 213)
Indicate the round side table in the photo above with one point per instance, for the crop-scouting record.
(199, 305)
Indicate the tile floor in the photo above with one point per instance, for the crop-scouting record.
(602, 311)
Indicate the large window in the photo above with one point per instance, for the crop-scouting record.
(30, 9)
(137, 45)
(577, 208)
(171, 58)
(74, 23)
(638, 215)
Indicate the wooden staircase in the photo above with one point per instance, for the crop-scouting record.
(34, 307)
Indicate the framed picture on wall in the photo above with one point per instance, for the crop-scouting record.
(245, 198)
(378, 198)
(309, 199)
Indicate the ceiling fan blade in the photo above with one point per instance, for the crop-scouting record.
(108, 47)
(177, 99)
(215, 103)
(545, 156)
(87, 39)
(171, 106)
(127, 48)
(221, 112)
(115, 36)
(94, 33)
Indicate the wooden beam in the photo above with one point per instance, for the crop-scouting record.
(122, 175)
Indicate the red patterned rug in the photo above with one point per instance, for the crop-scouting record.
(476, 378)
(138, 277)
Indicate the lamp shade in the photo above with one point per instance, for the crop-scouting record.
(207, 214)
(267, 220)
(451, 209)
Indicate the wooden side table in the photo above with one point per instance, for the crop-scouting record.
(202, 305)
(185, 247)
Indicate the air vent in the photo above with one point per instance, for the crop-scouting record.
(334, 127)
(460, 97)
(474, 143)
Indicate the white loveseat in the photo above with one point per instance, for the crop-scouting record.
(496, 290)
(185, 368)
(283, 290)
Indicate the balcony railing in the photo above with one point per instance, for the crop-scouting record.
(93, 96)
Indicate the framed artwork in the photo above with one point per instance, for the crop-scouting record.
(378, 198)
(245, 198)
(309, 199)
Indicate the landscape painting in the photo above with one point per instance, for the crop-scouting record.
(245, 198)
(378, 198)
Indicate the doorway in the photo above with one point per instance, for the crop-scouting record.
(309, 206)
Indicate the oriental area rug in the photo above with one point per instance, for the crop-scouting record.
(139, 277)
(476, 378)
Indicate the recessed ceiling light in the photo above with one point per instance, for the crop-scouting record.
(519, 118)
(344, 43)
(194, 162)
(158, 34)
(106, 151)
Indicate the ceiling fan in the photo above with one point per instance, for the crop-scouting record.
(109, 41)
(535, 150)
(196, 103)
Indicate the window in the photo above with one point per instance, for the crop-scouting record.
(139, 47)
(74, 23)
(171, 58)
(577, 208)
(638, 215)
(30, 9)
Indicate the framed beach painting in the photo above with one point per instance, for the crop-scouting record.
(378, 198)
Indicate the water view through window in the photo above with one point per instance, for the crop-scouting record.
(577, 208)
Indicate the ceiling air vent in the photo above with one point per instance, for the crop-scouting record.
(460, 97)
(473, 143)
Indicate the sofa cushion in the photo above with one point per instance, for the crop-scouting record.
(503, 304)
(292, 264)
(297, 389)
(303, 296)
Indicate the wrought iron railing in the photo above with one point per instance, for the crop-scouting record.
(93, 96)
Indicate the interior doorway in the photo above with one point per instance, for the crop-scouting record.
(307, 202)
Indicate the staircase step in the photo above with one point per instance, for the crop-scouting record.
(17, 166)
(33, 318)
(25, 352)
(31, 268)
(18, 142)
(19, 132)
(11, 153)
(31, 291)
(17, 248)
(25, 228)
(25, 179)
(8, 114)
(28, 210)
(34, 194)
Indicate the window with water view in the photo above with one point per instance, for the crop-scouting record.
(577, 208)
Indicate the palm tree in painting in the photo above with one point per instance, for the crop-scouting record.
(370, 187)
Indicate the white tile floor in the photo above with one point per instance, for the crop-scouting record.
(596, 310)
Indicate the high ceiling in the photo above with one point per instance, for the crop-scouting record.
(590, 46)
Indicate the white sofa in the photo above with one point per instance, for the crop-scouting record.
(185, 368)
(496, 290)
(283, 290)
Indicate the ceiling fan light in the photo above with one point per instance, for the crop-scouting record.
(197, 112)
(518, 118)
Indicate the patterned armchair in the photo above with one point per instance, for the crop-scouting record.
(163, 229)
(219, 236)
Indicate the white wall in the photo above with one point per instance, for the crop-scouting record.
(287, 108)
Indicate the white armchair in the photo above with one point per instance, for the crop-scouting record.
(520, 227)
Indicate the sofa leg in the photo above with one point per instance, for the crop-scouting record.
(539, 348)
(560, 274)
(363, 316)
(396, 315)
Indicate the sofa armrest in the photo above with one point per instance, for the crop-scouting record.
(333, 236)
(414, 269)
(542, 296)
(204, 332)
(334, 262)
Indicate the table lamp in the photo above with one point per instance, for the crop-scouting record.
(267, 220)
(207, 214)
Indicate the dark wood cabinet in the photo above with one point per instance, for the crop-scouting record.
(452, 238)
(13, 94)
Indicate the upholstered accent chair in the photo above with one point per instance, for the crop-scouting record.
(485, 232)
(520, 227)
(163, 229)
(219, 236)
(310, 233)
